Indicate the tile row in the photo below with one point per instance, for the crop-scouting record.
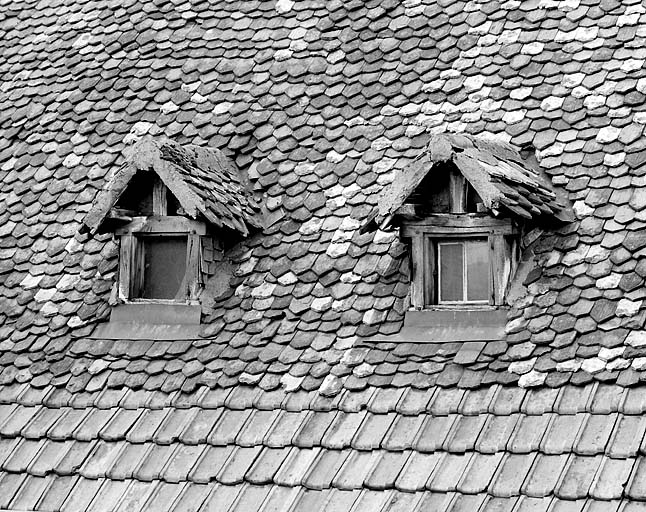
(615, 435)
(596, 398)
(66, 494)
(502, 474)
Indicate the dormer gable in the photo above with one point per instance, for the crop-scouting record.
(458, 173)
(187, 180)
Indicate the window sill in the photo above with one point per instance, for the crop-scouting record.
(163, 302)
(152, 320)
(458, 307)
(450, 325)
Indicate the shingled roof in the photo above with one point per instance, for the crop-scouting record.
(284, 404)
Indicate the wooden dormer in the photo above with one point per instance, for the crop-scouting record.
(174, 209)
(462, 205)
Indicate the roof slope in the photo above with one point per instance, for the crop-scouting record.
(202, 179)
(245, 449)
(321, 104)
(321, 137)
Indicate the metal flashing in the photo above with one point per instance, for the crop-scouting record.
(151, 322)
(183, 314)
(449, 326)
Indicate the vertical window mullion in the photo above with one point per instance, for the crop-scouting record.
(429, 271)
(417, 277)
(439, 273)
(464, 271)
(492, 270)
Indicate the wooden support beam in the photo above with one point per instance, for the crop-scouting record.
(430, 272)
(457, 192)
(193, 267)
(459, 224)
(407, 211)
(121, 214)
(417, 266)
(501, 267)
(126, 262)
(160, 198)
(163, 225)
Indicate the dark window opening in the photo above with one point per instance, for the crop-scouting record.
(434, 193)
(138, 196)
(164, 267)
(174, 208)
(474, 202)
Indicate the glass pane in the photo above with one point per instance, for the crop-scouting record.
(477, 270)
(164, 266)
(451, 270)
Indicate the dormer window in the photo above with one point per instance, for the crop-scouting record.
(159, 256)
(462, 206)
(460, 257)
(174, 211)
(160, 259)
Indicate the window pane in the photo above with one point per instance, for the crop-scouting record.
(451, 270)
(477, 270)
(164, 266)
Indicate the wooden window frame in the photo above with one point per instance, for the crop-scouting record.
(131, 257)
(502, 235)
(160, 224)
(437, 275)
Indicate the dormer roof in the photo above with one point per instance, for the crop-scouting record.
(204, 181)
(505, 181)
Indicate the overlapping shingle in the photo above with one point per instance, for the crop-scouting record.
(321, 164)
(552, 456)
(321, 106)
